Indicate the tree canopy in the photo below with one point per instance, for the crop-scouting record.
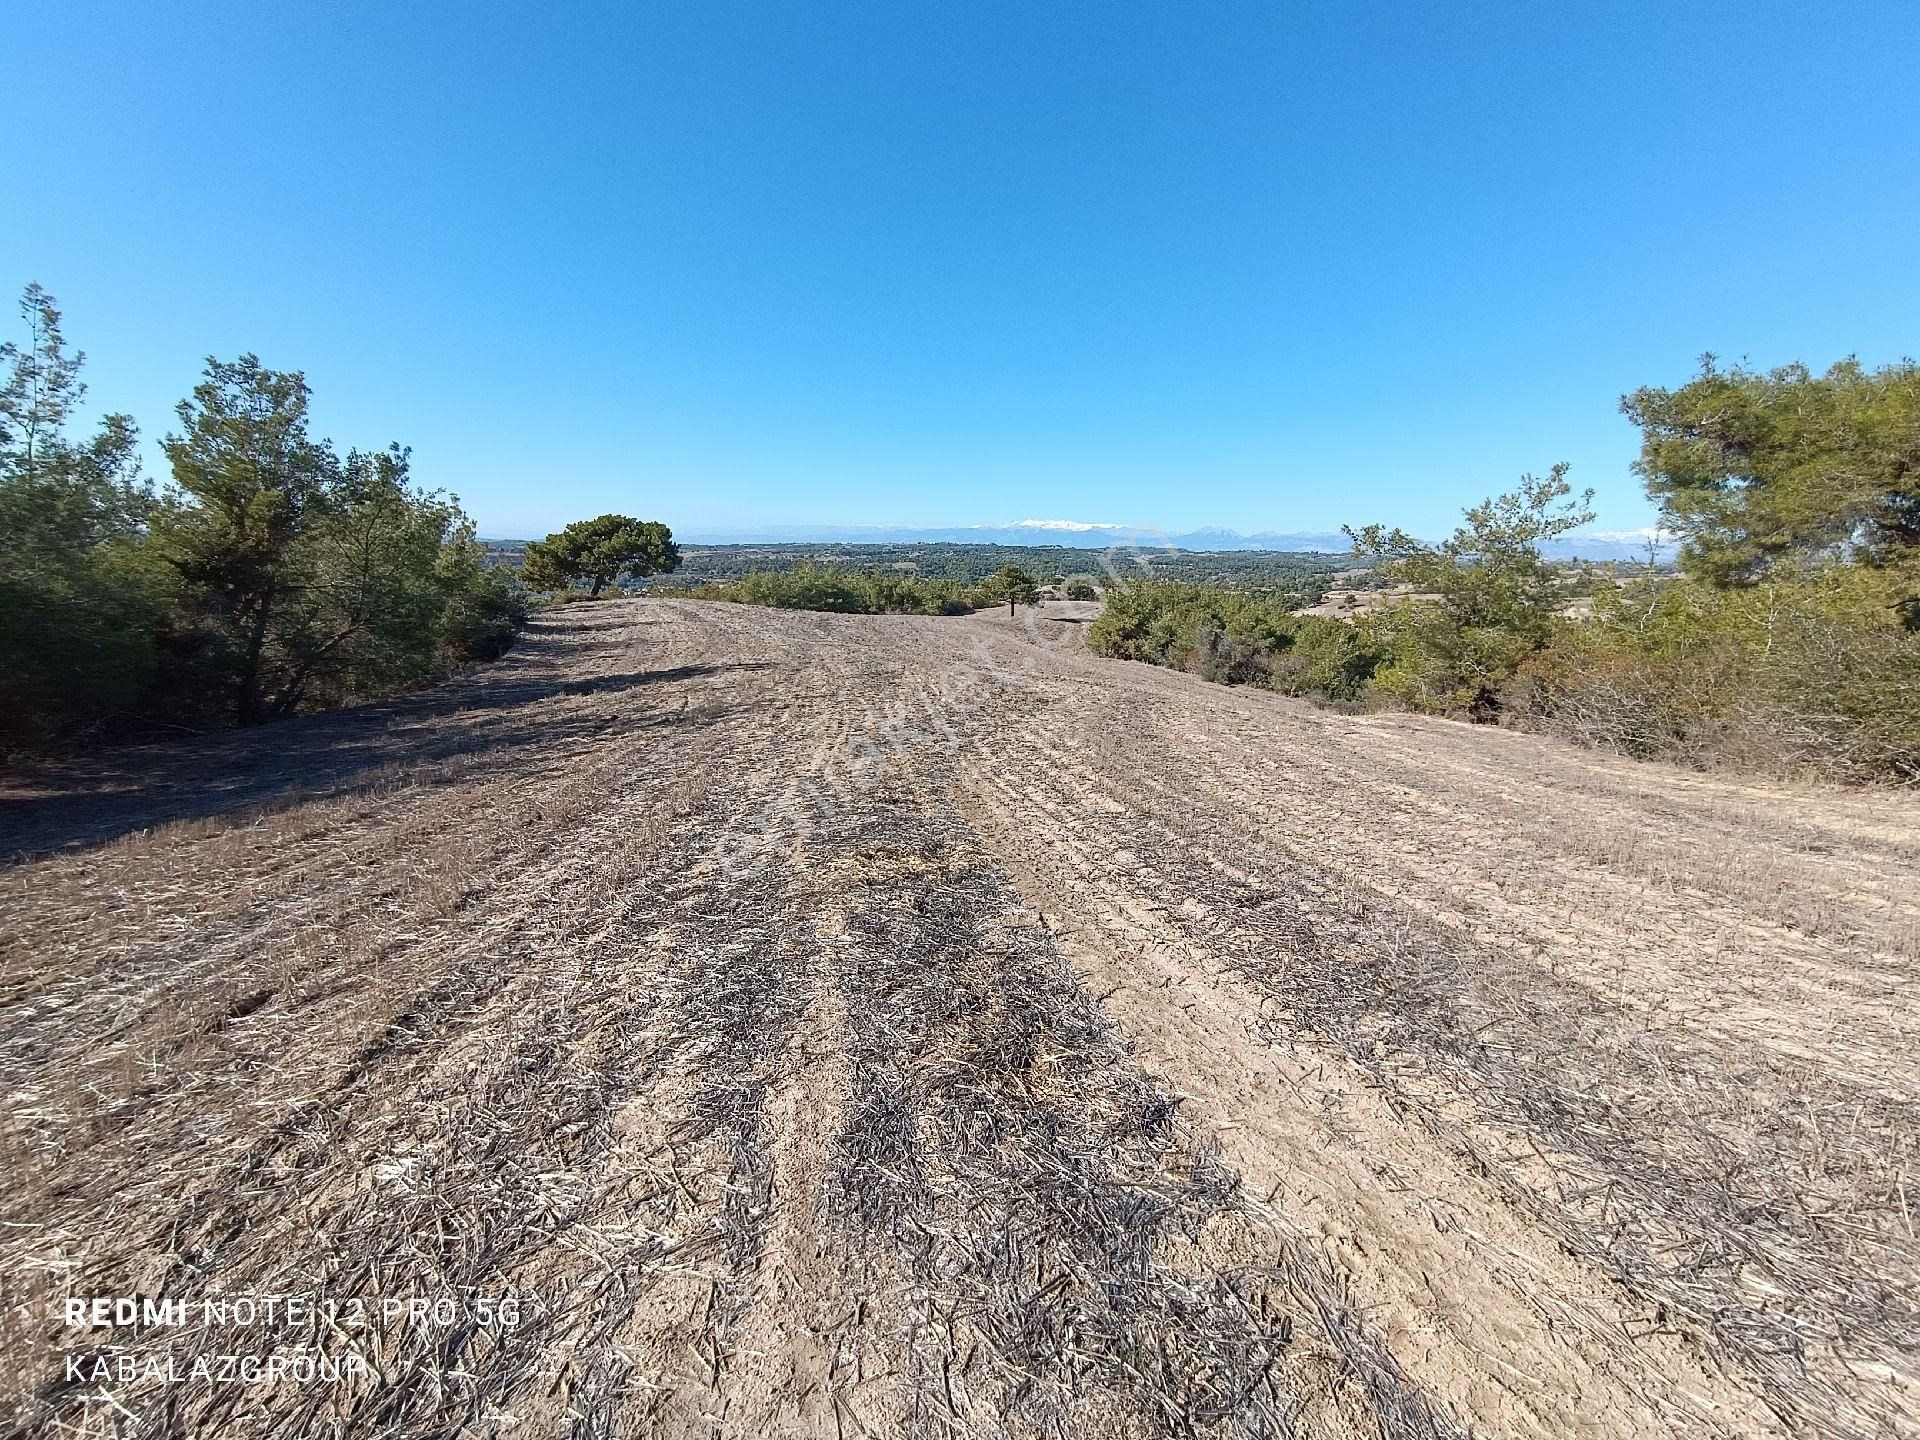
(1490, 571)
(599, 551)
(1760, 469)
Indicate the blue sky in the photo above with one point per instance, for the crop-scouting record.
(1267, 266)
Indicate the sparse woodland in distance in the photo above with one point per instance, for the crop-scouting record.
(272, 575)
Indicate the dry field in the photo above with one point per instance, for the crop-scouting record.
(844, 1026)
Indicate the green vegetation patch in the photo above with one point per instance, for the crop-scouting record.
(1234, 636)
(808, 586)
(1787, 640)
(269, 576)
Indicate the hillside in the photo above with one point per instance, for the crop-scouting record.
(838, 1025)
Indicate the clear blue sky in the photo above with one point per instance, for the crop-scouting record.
(1264, 265)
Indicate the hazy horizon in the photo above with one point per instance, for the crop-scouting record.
(1591, 542)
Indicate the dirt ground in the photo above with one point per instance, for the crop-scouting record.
(755, 1023)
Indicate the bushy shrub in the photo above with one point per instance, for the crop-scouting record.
(1435, 664)
(895, 594)
(1326, 658)
(1233, 636)
(1812, 673)
(484, 610)
(1485, 598)
(1789, 642)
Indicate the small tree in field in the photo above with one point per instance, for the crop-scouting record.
(598, 551)
(1013, 585)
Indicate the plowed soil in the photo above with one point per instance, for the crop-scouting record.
(814, 1025)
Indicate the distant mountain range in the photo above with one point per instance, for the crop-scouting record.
(1092, 535)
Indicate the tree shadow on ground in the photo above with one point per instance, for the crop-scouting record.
(503, 714)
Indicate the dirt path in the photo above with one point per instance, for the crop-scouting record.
(839, 1026)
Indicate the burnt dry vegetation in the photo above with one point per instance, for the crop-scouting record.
(1000, 1141)
(844, 1025)
(1715, 1185)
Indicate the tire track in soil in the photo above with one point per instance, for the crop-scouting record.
(1076, 1263)
(497, 959)
(1685, 1190)
(517, 1055)
(530, 1015)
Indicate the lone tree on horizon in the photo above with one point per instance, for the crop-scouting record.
(598, 550)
